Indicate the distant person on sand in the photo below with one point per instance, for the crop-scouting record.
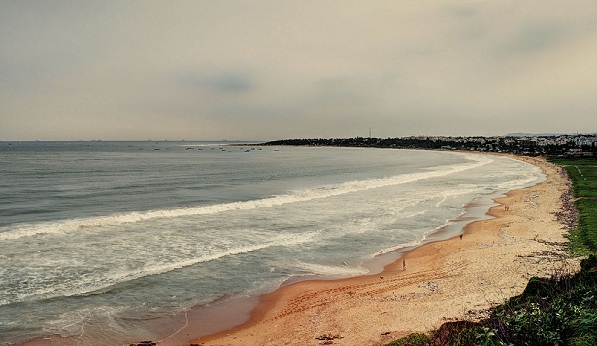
(403, 264)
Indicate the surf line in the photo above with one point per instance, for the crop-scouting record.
(69, 226)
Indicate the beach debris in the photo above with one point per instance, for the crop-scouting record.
(568, 214)
(431, 285)
(546, 255)
(328, 339)
(509, 239)
(476, 315)
(144, 343)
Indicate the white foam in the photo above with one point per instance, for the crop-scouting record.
(444, 198)
(85, 285)
(96, 223)
(522, 182)
(413, 243)
(74, 322)
(417, 242)
(327, 270)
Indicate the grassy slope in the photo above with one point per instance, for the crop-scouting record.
(583, 174)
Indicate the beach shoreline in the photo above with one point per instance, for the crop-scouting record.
(460, 277)
(448, 277)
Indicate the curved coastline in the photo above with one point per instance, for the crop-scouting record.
(445, 279)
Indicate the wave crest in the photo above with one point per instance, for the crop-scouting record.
(73, 225)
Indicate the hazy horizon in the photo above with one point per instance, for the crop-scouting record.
(249, 141)
(268, 70)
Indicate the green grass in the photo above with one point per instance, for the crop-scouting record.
(587, 225)
(415, 339)
(583, 175)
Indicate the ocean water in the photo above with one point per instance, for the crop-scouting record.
(98, 239)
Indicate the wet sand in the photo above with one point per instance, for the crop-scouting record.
(445, 280)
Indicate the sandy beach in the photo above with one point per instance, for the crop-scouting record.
(458, 278)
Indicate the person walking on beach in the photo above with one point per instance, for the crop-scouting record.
(403, 264)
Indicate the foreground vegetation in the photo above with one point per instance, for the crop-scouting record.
(561, 310)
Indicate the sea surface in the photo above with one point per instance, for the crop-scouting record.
(99, 239)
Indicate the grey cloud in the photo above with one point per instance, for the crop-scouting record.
(227, 82)
(534, 38)
(270, 69)
(464, 10)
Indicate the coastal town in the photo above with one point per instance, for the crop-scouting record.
(552, 145)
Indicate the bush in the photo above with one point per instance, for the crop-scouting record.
(415, 339)
(556, 311)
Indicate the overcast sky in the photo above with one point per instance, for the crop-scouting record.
(264, 70)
